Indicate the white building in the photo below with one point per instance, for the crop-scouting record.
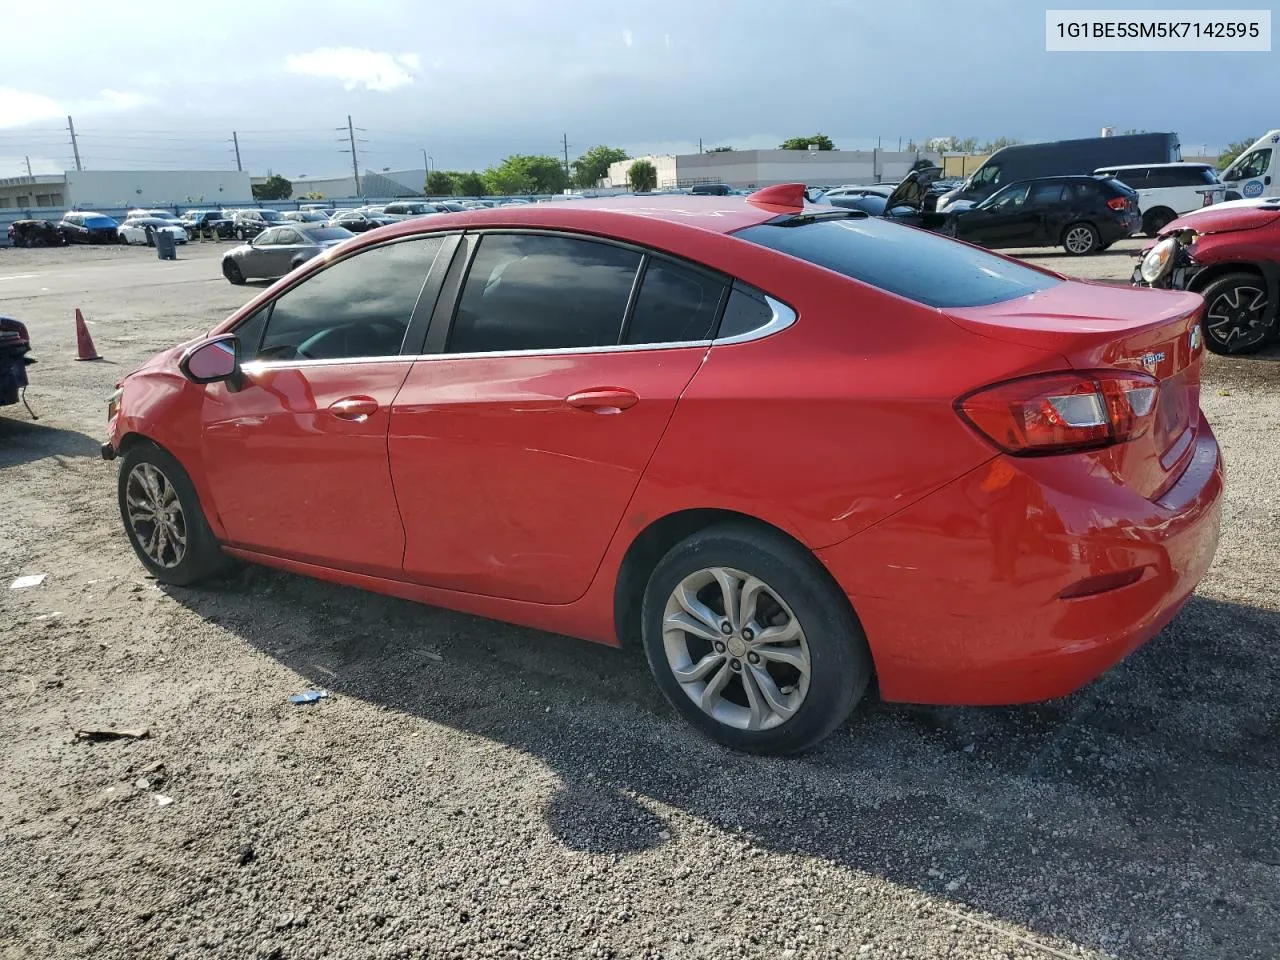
(87, 189)
(746, 169)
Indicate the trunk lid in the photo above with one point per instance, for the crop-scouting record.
(1104, 327)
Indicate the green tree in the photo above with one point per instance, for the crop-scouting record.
(964, 144)
(276, 187)
(519, 173)
(439, 184)
(802, 143)
(642, 176)
(999, 143)
(470, 184)
(721, 150)
(593, 166)
(1229, 156)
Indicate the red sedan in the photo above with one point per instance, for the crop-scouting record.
(787, 448)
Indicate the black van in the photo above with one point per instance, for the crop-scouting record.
(1062, 158)
(710, 190)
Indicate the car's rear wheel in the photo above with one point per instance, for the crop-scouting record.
(162, 515)
(231, 270)
(750, 640)
(1156, 220)
(1080, 238)
(1235, 313)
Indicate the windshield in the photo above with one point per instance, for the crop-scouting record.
(321, 234)
(920, 266)
(99, 221)
(988, 173)
(271, 216)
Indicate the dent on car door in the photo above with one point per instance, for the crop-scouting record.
(296, 454)
(516, 447)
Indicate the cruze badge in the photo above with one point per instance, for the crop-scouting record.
(1194, 338)
(1152, 360)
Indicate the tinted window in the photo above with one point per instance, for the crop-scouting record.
(1180, 177)
(1081, 191)
(357, 307)
(745, 311)
(911, 263)
(1008, 198)
(287, 236)
(988, 173)
(675, 305)
(273, 216)
(267, 238)
(1043, 194)
(526, 292)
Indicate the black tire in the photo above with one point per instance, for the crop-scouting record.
(240, 235)
(839, 659)
(124, 241)
(201, 556)
(231, 270)
(1156, 220)
(1080, 227)
(1235, 314)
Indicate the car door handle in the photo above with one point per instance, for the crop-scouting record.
(603, 400)
(356, 409)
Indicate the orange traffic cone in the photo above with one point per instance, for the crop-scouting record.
(85, 349)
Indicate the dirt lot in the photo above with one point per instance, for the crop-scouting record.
(476, 790)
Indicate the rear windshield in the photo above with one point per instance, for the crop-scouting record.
(99, 221)
(912, 263)
(329, 233)
(270, 216)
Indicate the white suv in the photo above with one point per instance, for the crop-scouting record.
(1168, 190)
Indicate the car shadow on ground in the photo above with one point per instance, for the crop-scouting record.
(1138, 816)
(23, 440)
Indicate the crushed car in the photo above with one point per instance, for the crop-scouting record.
(1230, 255)
(34, 233)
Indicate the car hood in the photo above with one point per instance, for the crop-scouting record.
(1212, 220)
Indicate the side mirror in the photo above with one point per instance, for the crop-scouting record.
(212, 361)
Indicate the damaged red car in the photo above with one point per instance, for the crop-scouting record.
(788, 449)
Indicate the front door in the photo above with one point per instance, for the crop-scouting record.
(1005, 221)
(515, 451)
(1252, 175)
(297, 456)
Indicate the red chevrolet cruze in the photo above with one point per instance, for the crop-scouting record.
(787, 448)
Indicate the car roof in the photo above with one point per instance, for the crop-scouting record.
(715, 214)
(1149, 166)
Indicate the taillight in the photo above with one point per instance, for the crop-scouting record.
(1117, 203)
(1060, 412)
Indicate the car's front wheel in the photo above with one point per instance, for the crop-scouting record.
(162, 515)
(1236, 313)
(231, 270)
(750, 640)
(1080, 239)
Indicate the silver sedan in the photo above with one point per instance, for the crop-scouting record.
(277, 250)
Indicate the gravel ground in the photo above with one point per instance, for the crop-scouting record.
(471, 789)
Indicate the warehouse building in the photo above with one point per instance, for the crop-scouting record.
(89, 189)
(388, 183)
(747, 169)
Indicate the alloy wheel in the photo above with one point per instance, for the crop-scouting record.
(736, 648)
(1079, 239)
(156, 519)
(1235, 319)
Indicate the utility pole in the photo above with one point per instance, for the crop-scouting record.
(235, 138)
(566, 156)
(75, 147)
(351, 139)
(28, 159)
(699, 144)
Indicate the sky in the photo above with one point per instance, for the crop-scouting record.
(155, 85)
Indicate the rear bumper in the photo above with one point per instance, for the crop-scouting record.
(960, 594)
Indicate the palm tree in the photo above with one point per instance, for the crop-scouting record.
(642, 176)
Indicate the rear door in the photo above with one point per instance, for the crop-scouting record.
(518, 441)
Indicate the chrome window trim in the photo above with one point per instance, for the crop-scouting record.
(783, 317)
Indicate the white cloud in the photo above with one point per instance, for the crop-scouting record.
(626, 37)
(20, 107)
(370, 69)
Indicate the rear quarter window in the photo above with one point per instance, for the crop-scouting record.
(911, 263)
